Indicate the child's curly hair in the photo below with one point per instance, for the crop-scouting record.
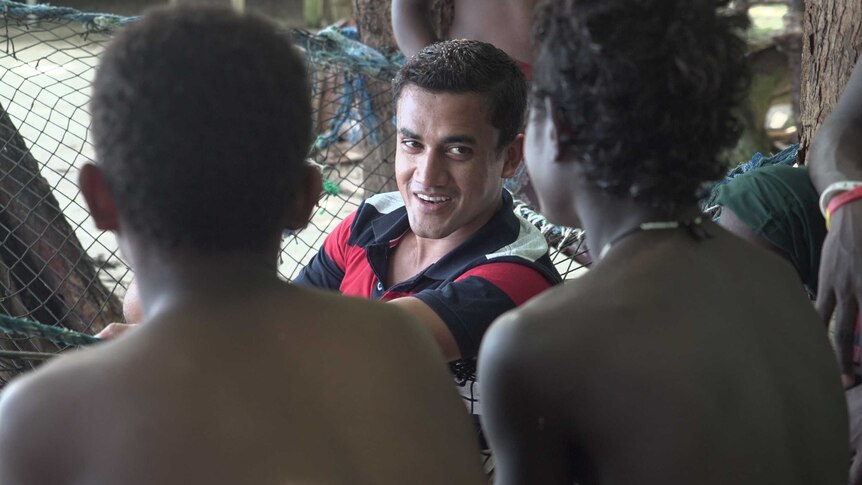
(647, 89)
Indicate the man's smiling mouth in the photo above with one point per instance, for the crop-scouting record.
(433, 199)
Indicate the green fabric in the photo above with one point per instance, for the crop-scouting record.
(779, 204)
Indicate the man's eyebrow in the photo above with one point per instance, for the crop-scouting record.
(407, 133)
(467, 139)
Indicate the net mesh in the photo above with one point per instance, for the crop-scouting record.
(58, 269)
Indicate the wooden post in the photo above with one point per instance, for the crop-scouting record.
(43, 263)
(831, 43)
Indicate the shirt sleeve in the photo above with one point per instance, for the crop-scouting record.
(326, 268)
(475, 299)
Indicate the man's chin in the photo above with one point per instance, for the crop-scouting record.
(429, 233)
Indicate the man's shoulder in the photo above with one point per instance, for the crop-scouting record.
(384, 203)
(528, 244)
(379, 208)
(525, 246)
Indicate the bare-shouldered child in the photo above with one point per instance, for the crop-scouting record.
(201, 122)
(685, 355)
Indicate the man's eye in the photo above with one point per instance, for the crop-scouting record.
(461, 151)
(410, 144)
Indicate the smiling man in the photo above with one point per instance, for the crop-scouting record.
(447, 246)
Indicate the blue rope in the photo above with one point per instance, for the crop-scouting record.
(93, 22)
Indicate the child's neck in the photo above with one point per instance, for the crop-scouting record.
(166, 281)
(605, 217)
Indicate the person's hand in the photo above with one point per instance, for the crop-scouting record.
(840, 282)
(854, 410)
(114, 330)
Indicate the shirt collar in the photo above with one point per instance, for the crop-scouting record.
(501, 229)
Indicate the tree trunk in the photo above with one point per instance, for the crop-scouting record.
(831, 43)
(44, 268)
(374, 24)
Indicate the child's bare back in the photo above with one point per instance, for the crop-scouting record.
(276, 385)
(684, 361)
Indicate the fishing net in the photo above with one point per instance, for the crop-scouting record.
(56, 268)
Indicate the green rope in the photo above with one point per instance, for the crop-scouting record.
(19, 355)
(58, 335)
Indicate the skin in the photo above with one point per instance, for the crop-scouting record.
(447, 150)
(679, 377)
(238, 377)
(132, 314)
(836, 154)
(505, 23)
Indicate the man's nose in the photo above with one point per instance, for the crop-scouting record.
(430, 170)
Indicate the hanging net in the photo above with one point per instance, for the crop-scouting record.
(57, 269)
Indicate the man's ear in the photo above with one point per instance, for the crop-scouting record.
(99, 200)
(305, 198)
(513, 155)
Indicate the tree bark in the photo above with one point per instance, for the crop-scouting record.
(831, 43)
(374, 24)
(44, 268)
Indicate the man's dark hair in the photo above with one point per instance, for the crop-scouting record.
(201, 122)
(470, 66)
(648, 91)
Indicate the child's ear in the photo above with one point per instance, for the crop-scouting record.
(306, 195)
(513, 154)
(99, 200)
(562, 133)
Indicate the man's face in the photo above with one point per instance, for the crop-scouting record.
(447, 165)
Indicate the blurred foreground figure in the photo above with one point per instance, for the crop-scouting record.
(685, 355)
(201, 121)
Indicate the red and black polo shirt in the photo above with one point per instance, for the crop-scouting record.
(502, 265)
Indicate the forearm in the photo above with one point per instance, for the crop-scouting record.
(412, 25)
(836, 150)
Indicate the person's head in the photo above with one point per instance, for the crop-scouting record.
(460, 105)
(640, 95)
(201, 123)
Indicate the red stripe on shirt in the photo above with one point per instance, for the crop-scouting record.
(517, 281)
(335, 243)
